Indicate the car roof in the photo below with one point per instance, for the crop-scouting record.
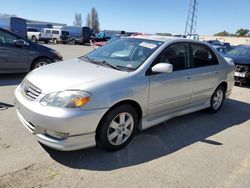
(156, 37)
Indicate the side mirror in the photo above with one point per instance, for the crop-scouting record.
(20, 42)
(162, 68)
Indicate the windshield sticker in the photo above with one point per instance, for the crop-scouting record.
(129, 65)
(148, 45)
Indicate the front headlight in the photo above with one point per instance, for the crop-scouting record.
(66, 99)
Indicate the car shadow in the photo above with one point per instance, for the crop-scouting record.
(161, 140)
(11, 79)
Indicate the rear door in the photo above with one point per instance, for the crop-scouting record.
(204, 67)
(12, 58)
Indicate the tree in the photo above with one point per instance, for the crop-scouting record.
(94, 20)
(222, 34)
(242, 32)
(88, 21)
(78, 20)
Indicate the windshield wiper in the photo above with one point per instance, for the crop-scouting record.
(110, 65)
(90, 60)
(105, 63)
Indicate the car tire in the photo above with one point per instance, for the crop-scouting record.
(217, 99)
(40, 62)
(117, 128)
(55, 41)
(34, 39)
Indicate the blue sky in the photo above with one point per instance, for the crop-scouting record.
(137, 15)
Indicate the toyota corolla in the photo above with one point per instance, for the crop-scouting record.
(103, 97)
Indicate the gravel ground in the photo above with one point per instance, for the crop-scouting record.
(196, 150)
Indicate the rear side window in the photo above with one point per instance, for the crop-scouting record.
(47, 31)
(202, 56)
(55, 32)
(32, 30)
(175, 54)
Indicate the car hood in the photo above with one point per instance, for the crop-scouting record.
(240, 60)
(71, 74)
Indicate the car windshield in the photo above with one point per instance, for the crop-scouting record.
(240, 51)
(124, 54)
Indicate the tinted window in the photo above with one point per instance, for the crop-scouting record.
(202, 56)
(32, 30)
(177, 55)
(6, 38)
(55, 32)
(48, 31)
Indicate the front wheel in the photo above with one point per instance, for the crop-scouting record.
(40, 62)
(217, 99)
(34, 39)
(117, 128)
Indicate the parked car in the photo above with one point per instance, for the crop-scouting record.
(18, 54)
(102, 43)
(213, 42)
(48, 34)
(65, 37)
(241, 58)
(78, 35)
(45, 35)
(132, 83)
(33, 34)
(222, 49)
(15, 25)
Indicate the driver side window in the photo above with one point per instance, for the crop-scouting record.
(175, 54)
(6, 38)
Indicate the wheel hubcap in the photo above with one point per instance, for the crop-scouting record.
(41, 64)
(218, 98)
(120, 128)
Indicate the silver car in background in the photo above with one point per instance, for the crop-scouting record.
(133, 83)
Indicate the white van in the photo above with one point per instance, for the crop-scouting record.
(49, 34)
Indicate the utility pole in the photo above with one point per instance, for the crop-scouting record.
(192, 18)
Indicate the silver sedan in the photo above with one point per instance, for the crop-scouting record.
(133, 83)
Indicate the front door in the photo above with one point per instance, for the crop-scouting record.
(12, 57)
(170, 92)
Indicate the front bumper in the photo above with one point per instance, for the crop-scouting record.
(239, 76)
(75, 127)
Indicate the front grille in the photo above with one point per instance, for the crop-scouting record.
(29, 90)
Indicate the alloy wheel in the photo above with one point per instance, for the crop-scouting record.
(218, 99)
(120, 128)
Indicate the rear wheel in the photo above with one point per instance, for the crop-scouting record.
(217, 99)
(55, 41)
(117, 128)
(34, 39)
(40, 62)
